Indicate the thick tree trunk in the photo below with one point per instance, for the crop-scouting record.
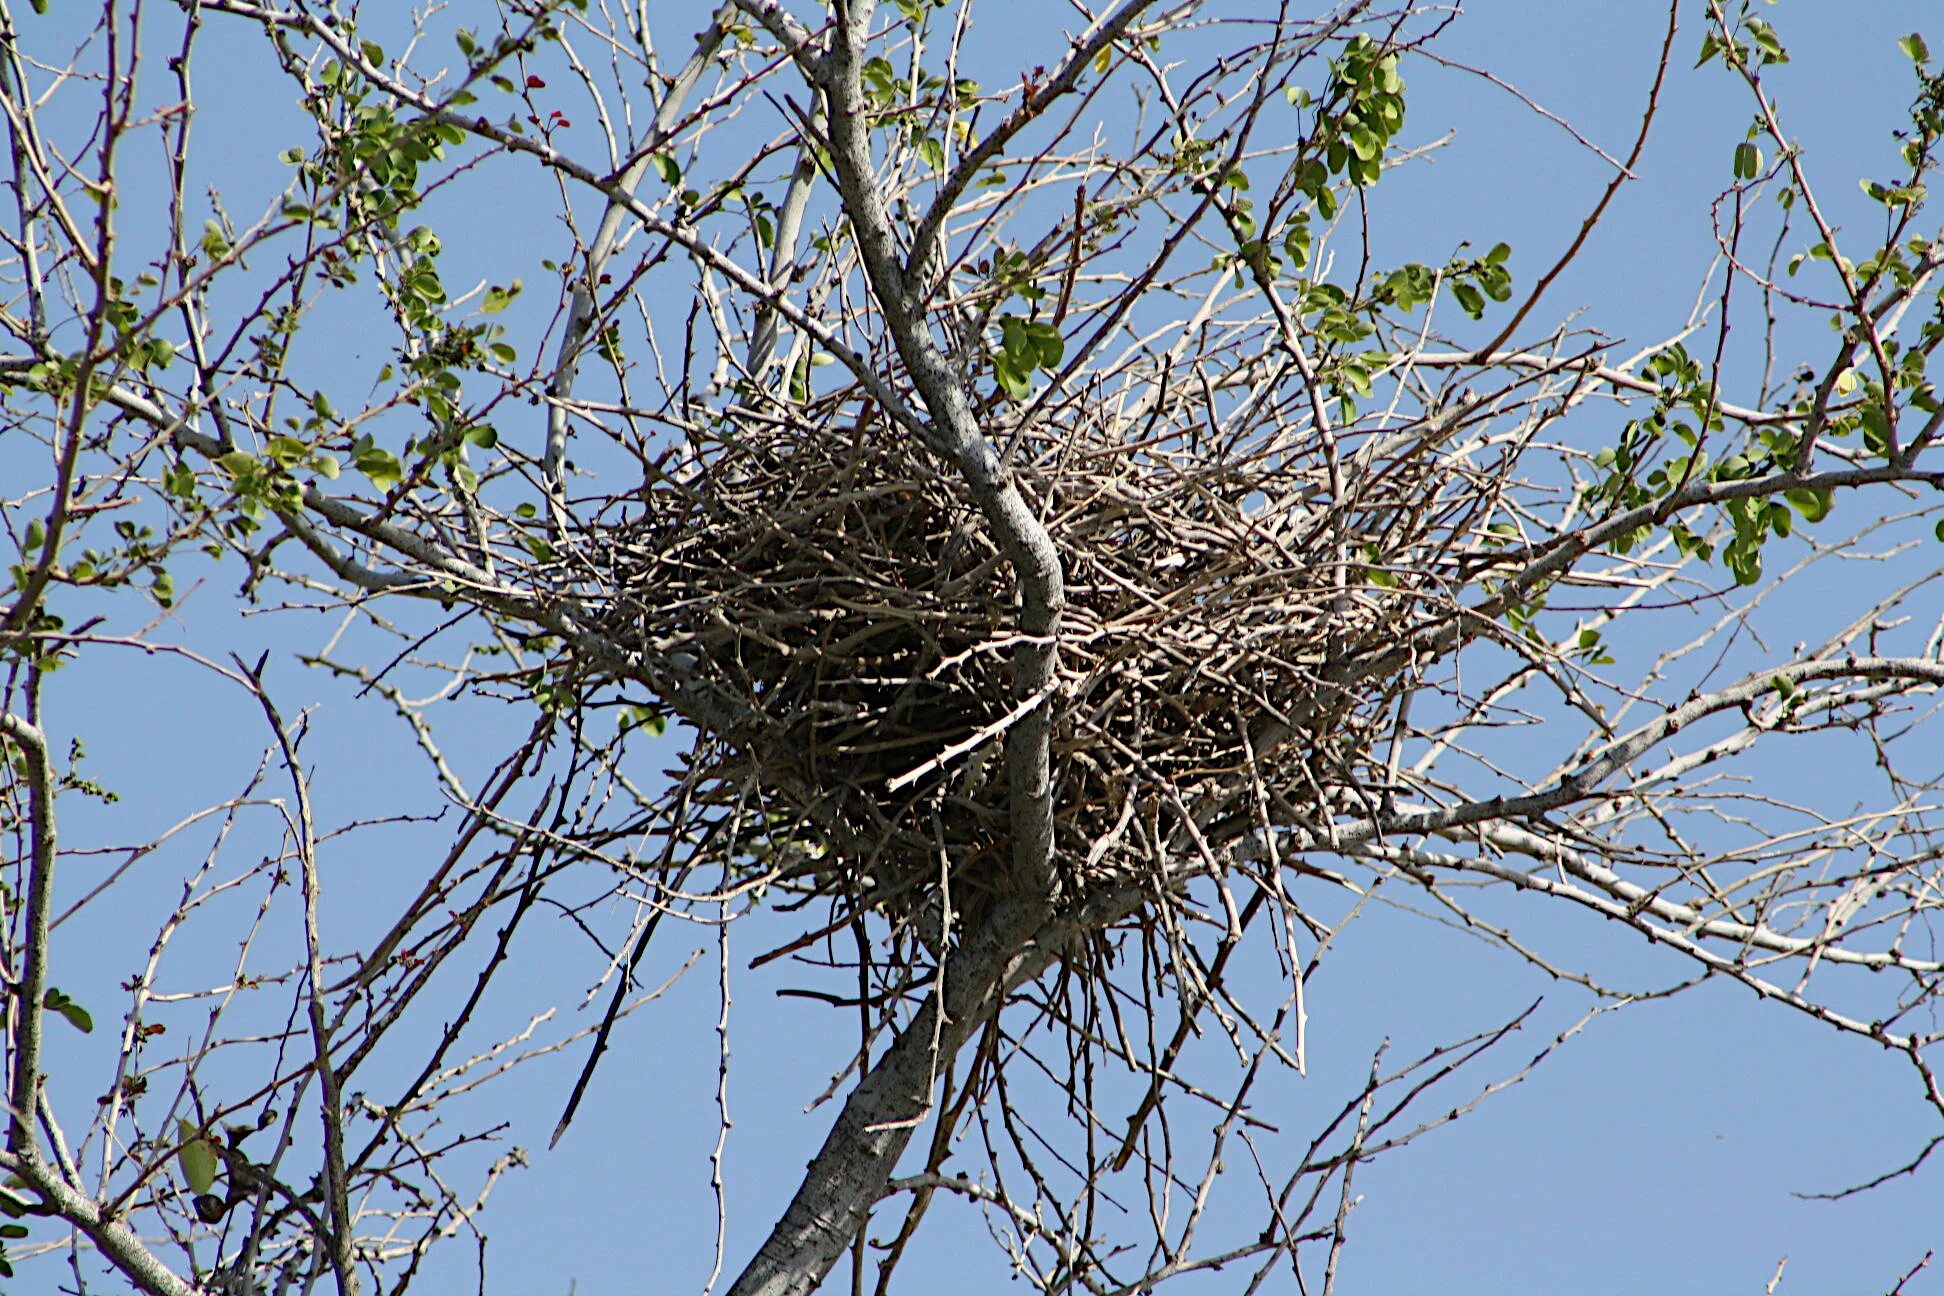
(849, 1173)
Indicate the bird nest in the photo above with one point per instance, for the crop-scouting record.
(834, 581)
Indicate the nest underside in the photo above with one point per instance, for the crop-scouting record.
(840, 585)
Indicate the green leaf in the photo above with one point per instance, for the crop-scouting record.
(1744, 562)
(287, 450)
(1048, 346)
(497, 298)
(667, 168)
(1017, 384)
(483, 435)
(1767, 42)
(197, 1157)
(1014, 339)
(380, 465)
(55, 1001)
(646, 719)
(608, 343)
(1914, 46)
(1814, 505)
(1296, 244)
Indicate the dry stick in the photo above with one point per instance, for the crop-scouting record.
(1616, 755)
(1169, 1055)
(717, 1155)
(480, 817)
(622, 983)
(1620, 177)
(978, 738)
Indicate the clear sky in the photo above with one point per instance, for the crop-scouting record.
(1668, 1145)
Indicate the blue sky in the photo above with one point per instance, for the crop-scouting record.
(1666, 1144)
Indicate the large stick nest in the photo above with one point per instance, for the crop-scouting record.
(834, 577)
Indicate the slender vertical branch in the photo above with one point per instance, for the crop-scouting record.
(1624, 173)
(117, 1242)
(24, 1083)
(788, 230)
(330, 1098)
(1020, 533)
(586, 287)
